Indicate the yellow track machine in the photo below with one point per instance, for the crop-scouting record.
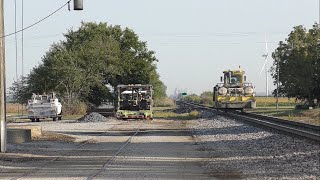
(234, 92)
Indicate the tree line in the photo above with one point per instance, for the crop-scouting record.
(90, 60)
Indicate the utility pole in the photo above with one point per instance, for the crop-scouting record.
(267, 84)
(277, 97)
(78, 5)
(3, 130)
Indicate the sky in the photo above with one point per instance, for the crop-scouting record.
(194, 40)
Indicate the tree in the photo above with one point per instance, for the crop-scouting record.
(207, 97)
(91, 57)
(298, 59)
(19, 90)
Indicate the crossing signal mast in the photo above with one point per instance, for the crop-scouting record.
(77, 5)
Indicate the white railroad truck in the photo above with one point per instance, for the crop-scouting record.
(44, 106)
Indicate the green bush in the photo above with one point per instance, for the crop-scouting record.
(193, 98)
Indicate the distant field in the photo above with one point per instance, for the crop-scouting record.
(266, 106)
(271, 101)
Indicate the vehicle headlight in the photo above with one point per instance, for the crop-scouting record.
(248, 90)
(222, 91)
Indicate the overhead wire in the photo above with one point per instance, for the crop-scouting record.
(21, 30)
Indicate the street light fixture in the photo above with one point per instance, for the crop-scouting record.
(78, 5)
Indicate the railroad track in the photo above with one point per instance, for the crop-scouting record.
(296, 128)
(107, 163)
(90, 176)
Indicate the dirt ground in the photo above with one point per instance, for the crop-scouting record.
(207, 148)
(162, 149)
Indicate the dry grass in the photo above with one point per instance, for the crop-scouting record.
(52, 136)
(74, 109)
(311, 116)
(271, 101)
(15, 108)
(165, 102)
(181, 116)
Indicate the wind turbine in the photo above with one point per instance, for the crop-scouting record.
(266, 55)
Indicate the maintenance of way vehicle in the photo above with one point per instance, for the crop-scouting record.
(159, 90)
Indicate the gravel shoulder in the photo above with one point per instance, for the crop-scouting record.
(240, 151)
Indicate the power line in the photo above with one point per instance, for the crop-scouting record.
(67, 3)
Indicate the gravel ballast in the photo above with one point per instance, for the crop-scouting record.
(244, 151)
(93, 117)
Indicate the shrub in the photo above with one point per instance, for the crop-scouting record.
(165, 102)
(194, 114)
(75, 108)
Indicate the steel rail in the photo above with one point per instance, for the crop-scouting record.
(296, 128)
(107, 163)
(49, 161)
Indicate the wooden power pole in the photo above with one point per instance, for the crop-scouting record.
(78, 5)
(3, 129)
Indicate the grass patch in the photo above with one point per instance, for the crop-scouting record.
(309, 116)
(169, 108)
(52, 136)
(271, 101)
(179, 116)
(165, 102)
(15, 108)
